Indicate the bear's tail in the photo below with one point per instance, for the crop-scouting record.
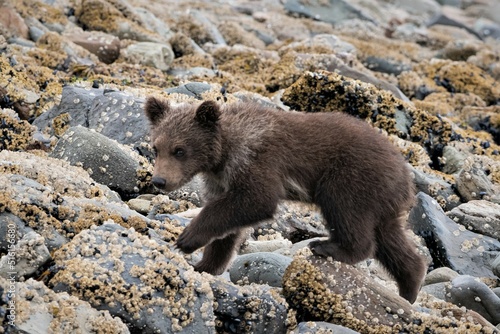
(398, 255)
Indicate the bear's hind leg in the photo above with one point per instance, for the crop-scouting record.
(399, 256)
(218, 254)
(352, 236)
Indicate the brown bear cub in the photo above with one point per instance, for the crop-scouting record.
(251, 157)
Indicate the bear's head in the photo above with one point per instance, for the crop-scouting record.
(186, 140)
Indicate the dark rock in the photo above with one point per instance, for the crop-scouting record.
(475, 295)
(248, 310)
(108, 162)
(436, 187)
(261, 268)
(106, 47)
(450, 244)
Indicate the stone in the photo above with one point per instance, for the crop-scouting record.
(479, 216)
(452, 245)
(12, 22)
(496, 266)
(454, 159)
(157, 55)
(108, 162)
(28, 256)
(440, 275)
(437, 187)
(43, 310)
(139, 279)
(261, 268)
(437, 290)
(193, 89)
(255, 246)
(140, 205)
(311, 327)
(105, 46)
(475, 295)
(472, 182)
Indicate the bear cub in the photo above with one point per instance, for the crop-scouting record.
(252, 156)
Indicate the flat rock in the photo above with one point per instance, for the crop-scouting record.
(439, 275)
(452, 245)
(312, 327)
(157, 55)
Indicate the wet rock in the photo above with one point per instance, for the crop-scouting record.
(43, 310)
(311, 327)
(249, 309)
(450, 244)
(134, 277)
(261, 268)
(479, 216)
(157, 55)
(28, 256)
(474, 295)
(108, 162)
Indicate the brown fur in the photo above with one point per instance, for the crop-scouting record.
(251, 157)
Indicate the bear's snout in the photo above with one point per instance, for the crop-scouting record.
(158, 182)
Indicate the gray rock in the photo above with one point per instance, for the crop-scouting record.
(336, 11)
(450, 244)
(475, 295)
(140, 205)
(437, 290)
(296, 222)
(137, 279)
(210, 28)
(44, 310)
(479, 216)
(255, 246)
(157, 55)
(28, 256)
(436, 187)
(327, 41)
(12, 229)
(453, 159)
(440, 275)
(249, 309)
(472, 182)
(261, 268)
(193, 89)
(151, 22)
(311, 327)
(385, 65)
(495, 265)
(76, 101)
(107, 162)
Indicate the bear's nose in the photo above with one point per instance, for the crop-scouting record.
(158, 182)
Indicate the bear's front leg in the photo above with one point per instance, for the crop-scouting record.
(237, 208)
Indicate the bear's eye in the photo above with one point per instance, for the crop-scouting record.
(179, 152)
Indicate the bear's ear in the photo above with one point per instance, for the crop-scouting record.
(207, 114)
(156, 109)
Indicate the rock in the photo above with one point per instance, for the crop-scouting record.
(12, 22)
(331, 291)
(261, 268)
(28, 256)
(474, 295)
(437, 290)
(311, 327)
(152, 23)
(140, 205)
(104, 46)
(105, 160)
(495, 265)
(479, 216)
(437, 187)
(249, 309)
(251, 246)
(134, 277)
(454, 159)
(157, 55)
(295, 221)
(440, 275)
(472, 182)
(450, 244)
(336, 11)
(43, 310)
(193, 89)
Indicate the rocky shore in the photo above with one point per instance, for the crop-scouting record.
(87, 245)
